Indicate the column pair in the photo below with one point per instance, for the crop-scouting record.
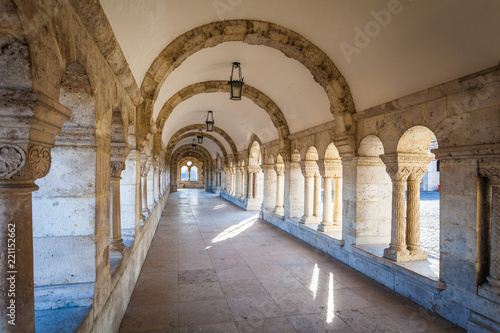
(332, 213)
(406, 170)
(312, 192)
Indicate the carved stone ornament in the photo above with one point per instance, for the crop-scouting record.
(491, 172)
(39, 160)
(12, 159)
(116, 168)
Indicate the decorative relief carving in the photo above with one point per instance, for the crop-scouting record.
(490, 172)
(116, 168)
(280, 169)
(399, 173)
(12, 159)
(39, 160)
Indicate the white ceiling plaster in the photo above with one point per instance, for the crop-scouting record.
(238, 119)
(427, 42)
(208, 144)
(289, 84)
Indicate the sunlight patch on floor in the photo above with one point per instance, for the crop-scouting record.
(314, 280)
(237, 229)
(331, 307)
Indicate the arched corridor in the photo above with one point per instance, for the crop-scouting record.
(213, 266)
(344, 137)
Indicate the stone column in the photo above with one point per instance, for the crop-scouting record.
(251, 191)
(280, 187)
(413, 214)
(243, 183)
(309, 169)
(337, 201)
(144, 182)
(118, 153)
(401, 167)
(117, 248)
(20, 166)
(329, 170)
(317, 197)
(397, 247)
(27, 117)
(327, 223)
(490, 169)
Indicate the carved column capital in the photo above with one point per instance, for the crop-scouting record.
(403, 166)
(116, 168)
(490, 168)
(280, 169)
(309, 168)
(23, 162)
(330, 168)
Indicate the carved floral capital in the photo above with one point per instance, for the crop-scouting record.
(17, 165)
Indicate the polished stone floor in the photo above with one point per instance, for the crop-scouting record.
(213, 267)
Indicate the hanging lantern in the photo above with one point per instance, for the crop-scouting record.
(194, 144)
(200, 137)
(210, 121)
(236, 86)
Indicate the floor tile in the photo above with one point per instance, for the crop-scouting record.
(224, 271)
(200, 292)
(254, 307)
(268, 325)
(204, 312)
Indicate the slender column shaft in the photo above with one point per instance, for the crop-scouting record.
(16, 260)
(413, 215)
(317, 196)
(144, 181)
(255, 185)
(494, 277)
(280, 194)
(243, 180)
(308, 197)
(398, 234)
(250, 185)
(327, 203)
(117, 227)
(153, 189)
(337, 200)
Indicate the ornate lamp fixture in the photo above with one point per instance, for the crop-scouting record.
(194, 144)
(235, 86)
(210, 121)
(200, 137)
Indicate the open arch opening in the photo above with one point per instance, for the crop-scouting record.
(64, 224)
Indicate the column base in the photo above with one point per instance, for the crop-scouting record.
(309, 220)
(279, 210)
(116, 249)
(404, 255)
(146, 212)
(490, 290)
(330, 228)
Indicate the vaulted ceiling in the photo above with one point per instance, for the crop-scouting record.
(404, 47)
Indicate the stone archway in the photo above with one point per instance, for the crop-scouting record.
(217, 130)
(252, 32)
(173, 142)
(257, 96)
